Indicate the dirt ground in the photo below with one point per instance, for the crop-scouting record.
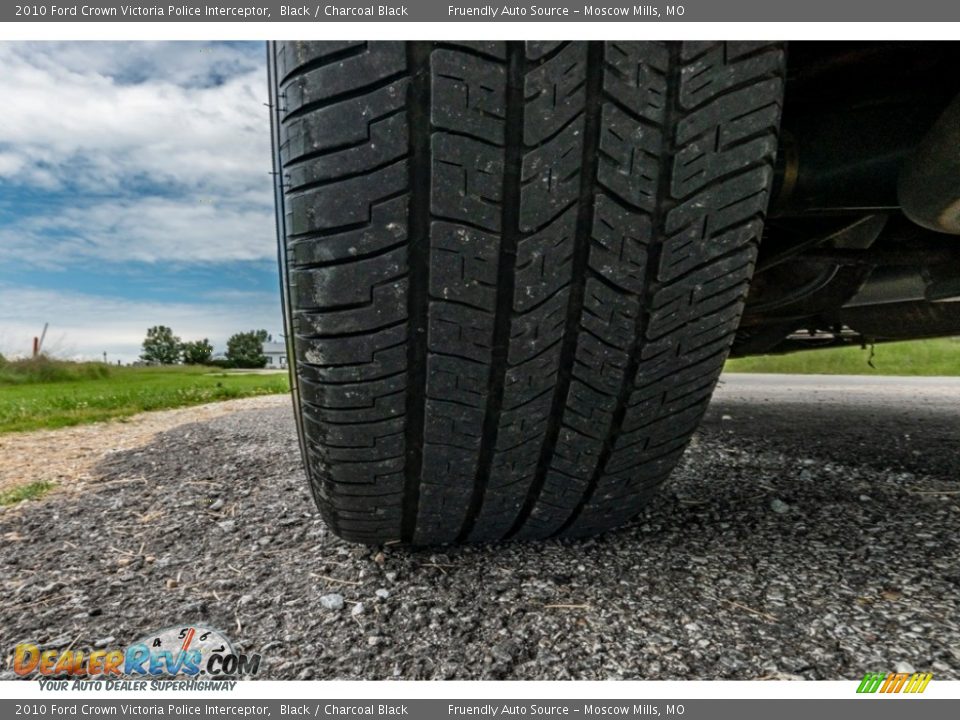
(65, 456)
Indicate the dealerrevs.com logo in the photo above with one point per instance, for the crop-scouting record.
(189, 651)
(895, 683)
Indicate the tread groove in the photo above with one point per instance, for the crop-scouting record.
(506, 274)
(665, 179)
(418, 64)
(581, 251)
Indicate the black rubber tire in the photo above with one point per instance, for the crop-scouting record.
(512, 271)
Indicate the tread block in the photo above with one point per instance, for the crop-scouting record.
(376, 64)
(551, 178)
(469, 95)
(350, 283)
(464, 332)
(349, 202)
(543, 264)
(355, 357)
(494, 48)
(345, 125)
(352, 396)
(295, 56)
(464, 265)
(554, 93)
(629, 162)
(467, 180)
(387, 307)
(635, 77)
(387, 228)
(619, 249)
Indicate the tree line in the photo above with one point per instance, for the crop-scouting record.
(244, 349)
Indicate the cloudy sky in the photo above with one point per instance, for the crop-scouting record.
(134, 191)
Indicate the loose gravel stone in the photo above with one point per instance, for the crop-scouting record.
(332, 601)
(779, 506)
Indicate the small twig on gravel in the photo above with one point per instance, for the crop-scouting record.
(336, 580)
(934, 492)
(41, 601)
(566, 606)
(122, 481)
(124, 527)
(149, 516)
(238, 572)
(752, 611)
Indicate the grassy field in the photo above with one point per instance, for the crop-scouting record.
(917, 357)
(58, 394)
(47, 393)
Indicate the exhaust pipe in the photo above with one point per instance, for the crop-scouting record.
(929, 183)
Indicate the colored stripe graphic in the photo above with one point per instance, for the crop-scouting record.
(894, 682)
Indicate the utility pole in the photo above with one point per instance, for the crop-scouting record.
(38, 342)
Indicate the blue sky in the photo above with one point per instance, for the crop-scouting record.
(134, 191)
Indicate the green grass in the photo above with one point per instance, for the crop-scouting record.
(44, 369)
(30, 491)
(29, 403)
(917, 357)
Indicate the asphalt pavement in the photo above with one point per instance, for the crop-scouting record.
(811, 531)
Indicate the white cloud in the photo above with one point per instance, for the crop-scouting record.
(148, 229)
(156, 151)
(84, 326)
(183, 63)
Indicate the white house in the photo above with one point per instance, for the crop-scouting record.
(276, 354)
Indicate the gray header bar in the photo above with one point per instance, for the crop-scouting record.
(645, 11)
(77, 705)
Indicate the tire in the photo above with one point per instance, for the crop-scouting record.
(512, 271)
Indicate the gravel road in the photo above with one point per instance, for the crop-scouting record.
(811, 531)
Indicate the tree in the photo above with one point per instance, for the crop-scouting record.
(245, 350)
(161, 346)
(197, 352)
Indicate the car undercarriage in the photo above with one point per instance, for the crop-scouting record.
(860, 243)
